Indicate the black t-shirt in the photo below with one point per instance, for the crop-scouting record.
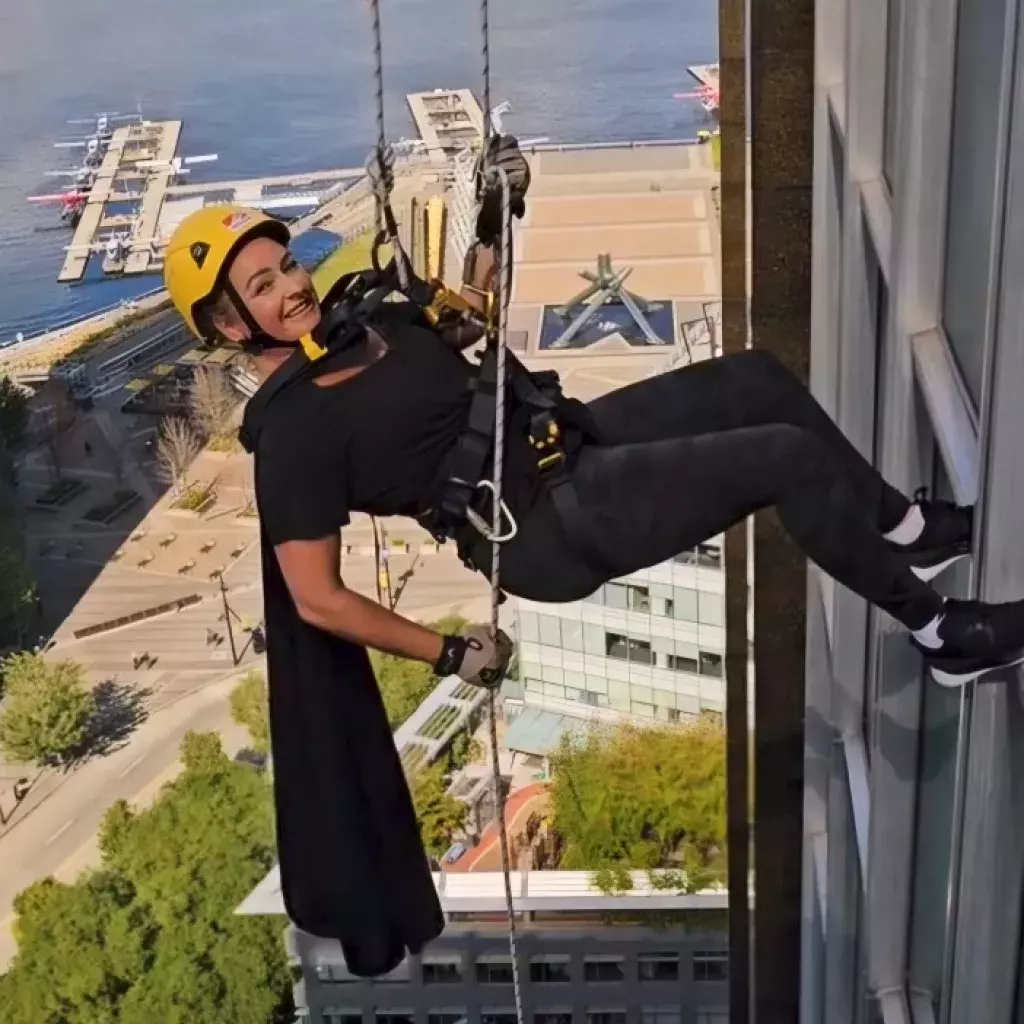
(373, 443)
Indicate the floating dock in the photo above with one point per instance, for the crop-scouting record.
(127, 145)
(447, 120)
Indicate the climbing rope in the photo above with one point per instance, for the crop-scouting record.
(500, 331)
(381, 165)
(381, 172)
(497, 335)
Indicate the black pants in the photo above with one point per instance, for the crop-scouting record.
(687, 454)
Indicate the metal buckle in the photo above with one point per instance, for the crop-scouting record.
(481, 525)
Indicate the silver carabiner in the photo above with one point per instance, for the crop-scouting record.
(483, 527)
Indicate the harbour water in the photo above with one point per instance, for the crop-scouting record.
(278, 87)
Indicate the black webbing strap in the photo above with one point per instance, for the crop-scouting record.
(465, 465)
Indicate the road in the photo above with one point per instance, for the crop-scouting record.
(58, 836)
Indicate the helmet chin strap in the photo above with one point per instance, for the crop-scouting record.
(258, 340)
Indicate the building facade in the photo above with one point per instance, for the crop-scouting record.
(648, 645)
(914, 850)
(585, 957)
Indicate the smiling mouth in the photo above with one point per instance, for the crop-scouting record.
(303, 306)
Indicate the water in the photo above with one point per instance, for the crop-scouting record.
(279, 87)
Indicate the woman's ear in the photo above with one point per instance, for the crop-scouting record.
(228, 323)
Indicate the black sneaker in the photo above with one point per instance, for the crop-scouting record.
(946, 537)
(976, 638)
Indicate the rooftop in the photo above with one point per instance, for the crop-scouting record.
(533, 891)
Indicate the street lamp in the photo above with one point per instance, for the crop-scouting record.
(227, 619)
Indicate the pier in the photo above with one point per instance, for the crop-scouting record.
(446, 120)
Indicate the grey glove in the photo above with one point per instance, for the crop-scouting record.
(500, 151)
(477, 656)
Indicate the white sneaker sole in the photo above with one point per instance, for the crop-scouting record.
(953, 681)
(927, 573)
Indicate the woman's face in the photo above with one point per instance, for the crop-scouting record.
(275, 289)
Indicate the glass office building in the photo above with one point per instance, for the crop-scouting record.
(648, 645)
(914, 844)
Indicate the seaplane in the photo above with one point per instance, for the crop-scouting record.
(178, 165)
(115, 247)
(72, 202)
(104, 121)
(705, 94)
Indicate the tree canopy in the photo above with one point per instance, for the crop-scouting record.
(46, 711)
(404, 684)
(13, 415)
(633, 798)
(152, 935)
(249, 708)
(439, 814)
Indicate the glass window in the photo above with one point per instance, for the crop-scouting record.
(709, 556)
(342, 1016)
(593, 640)
(572, 635)
(712, 608)
(616, 646)
(658, 966)
(393, 1017)
(640, 652)
(552, 1017)
(660, 1015)
(549, 969)
(602, 969)
(438, 972)
(710, 664)
(616, 596)
(712, 966)
(606, 1017)
(642, 709)
(684, 604)
(550, 630)
(639, 598)
(893, 46)
(528, 627)
(494, 972)
(498, 1017)
(445, 1016)
(686, 558)
(974, 165)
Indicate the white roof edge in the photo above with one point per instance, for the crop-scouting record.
(483, 892)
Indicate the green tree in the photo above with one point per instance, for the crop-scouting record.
(637, 798)
(17, 584)
(46, 710)
(404, 684)
(440, 815)
(249, 708)
(81, 947)
(153, 934)
(13, 419)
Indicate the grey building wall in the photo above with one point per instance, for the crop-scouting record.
(914, 804)
(571, 974)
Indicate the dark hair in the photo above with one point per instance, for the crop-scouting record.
(219, 305)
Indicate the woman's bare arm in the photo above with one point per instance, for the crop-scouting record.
(311, 569)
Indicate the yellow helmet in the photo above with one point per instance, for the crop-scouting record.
(201, 248)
